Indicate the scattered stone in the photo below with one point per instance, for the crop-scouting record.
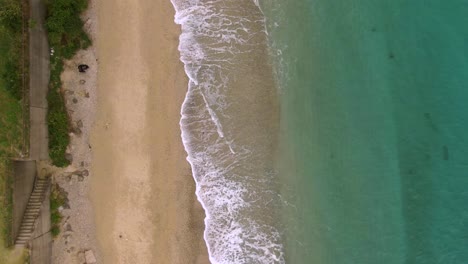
(82, 81)
(68, 178)
(69, 157)
(68, 227)
(85, 173)
(67, 239)
(80, 178)
(77, 131)
(79, 123)
(89, 257)
(81, 257)
(87, 95)
(75, 100)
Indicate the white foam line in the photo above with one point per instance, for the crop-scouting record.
(181, 18)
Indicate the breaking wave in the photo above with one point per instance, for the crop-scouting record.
(226, 130)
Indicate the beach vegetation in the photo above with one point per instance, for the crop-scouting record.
(58, 199)
(66, 36)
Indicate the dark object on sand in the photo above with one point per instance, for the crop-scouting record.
(83, 67)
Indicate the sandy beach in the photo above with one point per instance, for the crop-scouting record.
(142, 190)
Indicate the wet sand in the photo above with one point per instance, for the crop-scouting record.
(142, 190)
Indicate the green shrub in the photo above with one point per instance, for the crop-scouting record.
(58, 198)
(65, 28)
(11, 15)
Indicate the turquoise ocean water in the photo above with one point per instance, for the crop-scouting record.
(328, 132)
(374, 98)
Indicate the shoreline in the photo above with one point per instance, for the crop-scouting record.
(142, 190)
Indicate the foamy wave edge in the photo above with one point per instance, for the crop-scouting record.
(184, 134)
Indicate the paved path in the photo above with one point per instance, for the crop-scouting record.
(39, 74)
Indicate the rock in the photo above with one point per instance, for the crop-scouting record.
(82, 173)
(75, 100)
(80, 178)
(89, 257)
(81, 257)
(82, 81)
(87, 95)
(79, 124)
(77, 131)
(68, 227)
(69, 157)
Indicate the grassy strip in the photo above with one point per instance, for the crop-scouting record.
(11, 129)
(11, 16)
(58, 198)
(66, 37)
(10, 144)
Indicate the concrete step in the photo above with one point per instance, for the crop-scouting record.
(30, 214)
(26, 226)
(24, 236)
(26, 231)
(32, 208)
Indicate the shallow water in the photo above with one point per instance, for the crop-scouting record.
(373, 117)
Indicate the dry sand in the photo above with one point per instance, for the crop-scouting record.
(142, 189)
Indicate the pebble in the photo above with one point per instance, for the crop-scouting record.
(90, 258)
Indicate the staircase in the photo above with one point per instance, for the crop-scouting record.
(32, 211)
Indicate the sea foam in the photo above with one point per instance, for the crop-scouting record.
(232, 183)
